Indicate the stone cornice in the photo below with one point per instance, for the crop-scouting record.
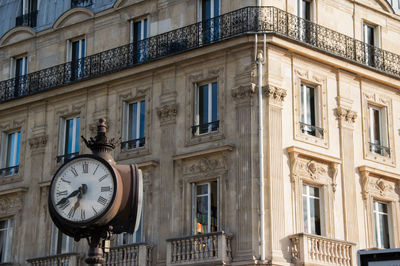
(382, 183)
(203, 152)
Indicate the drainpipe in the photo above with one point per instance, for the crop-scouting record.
(258, 2)
(260, 61)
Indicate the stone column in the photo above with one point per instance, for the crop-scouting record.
(346, 118)
(274, 190)
(247, 185)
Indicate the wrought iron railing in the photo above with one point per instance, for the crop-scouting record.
(12, 170)
(85, 3)
(66, 157)
(236, 23)
(133, 144)
(379, 149)
(205, 128)
(134, 255)
(312, 130)
(28, 19)
(68, 259)
(202, 249)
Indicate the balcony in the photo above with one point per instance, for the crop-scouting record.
(317, 250)
(68, 259)
(66, 157)
(134, 254)
(211, 249)
(248, 20)
(28, 19)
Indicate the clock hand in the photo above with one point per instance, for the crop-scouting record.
(73, 194)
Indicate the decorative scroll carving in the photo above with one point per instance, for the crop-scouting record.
(38, 142)
(346, 115)
(167, 113)
(204, 165)
(274, 93)
(244, 91)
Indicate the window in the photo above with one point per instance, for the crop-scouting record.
(311, 210)
(309, 114)
(127, 239)
(69, 139)
(304, 9)
(378, 133)
(76, 54)
(10, 155)
(20, 72)
(28, 13)
(84, 3)
(134, 134)
(6, 232)
(138, 33)
(205, 207)
(305, 12)
(209, 9)
(206, 109)
(381, 222)
(60, 243)
(370, 40)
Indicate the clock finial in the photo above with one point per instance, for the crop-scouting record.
(100, 144)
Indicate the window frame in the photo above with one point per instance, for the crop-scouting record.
(54, 243)
(300, 10)
(145, 24)
(210, 106)
(126, 121)
(62, 135)
(320, 210)
(383, 129)
(8, 240)
(212, 9)
(194, 186)
(5, 152)
(316, 111)
(376, 225)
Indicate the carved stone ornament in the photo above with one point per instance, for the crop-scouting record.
(346, 115)
(376, 184)
(38, 142)
(274, 93)
(167, 113)
(10, 205)
(204, 165)
(244, 91)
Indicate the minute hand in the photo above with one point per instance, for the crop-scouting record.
(73, 194)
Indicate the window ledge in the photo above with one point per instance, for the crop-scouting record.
(132, 153)
(198, 139)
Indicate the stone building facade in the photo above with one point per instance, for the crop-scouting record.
(177, 81)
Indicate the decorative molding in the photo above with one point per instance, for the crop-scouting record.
(38, 142)
(198, 153)
(243, 91)
(346, 115)
(274, 93)
(11, 201)
(167, 113)
(378, 183)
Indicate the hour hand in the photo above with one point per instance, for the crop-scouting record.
(73, 194)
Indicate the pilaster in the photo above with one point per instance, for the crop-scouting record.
(347, 117)
(275, 208)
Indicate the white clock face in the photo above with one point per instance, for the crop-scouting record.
(82, 190)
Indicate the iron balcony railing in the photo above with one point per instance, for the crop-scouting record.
(28, 19)
(312, 130)
(133, 144)
(379, 149)
(236, 23)
(205, 128)
(12, 170)
(66, 157)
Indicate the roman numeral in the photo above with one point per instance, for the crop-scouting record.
(73, 170)
(95, 169)
(103, 177)
(64, 205)
(62, 193)
(71, 212)
(66, 181)
(83, 214)
(85, 167)
(102, 200)
(105, 189)
(94, 210)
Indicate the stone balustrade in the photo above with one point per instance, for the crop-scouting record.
(211, 248)
(67, 259)
(310, 249)
(134, 254)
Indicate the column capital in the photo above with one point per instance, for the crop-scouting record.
(167, 113)
(243, 92)
(275, 94)
(346, 116)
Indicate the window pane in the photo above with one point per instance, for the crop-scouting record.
(311, 210)
(214, 103)
(132, 121)
(83, 48)
(142, 118)
(13, 149)
(137, 31)
(206, 9)
(216, 8)
(144, 28)
(75, 51)
(202, 189)
(77, 129)
(5, 240)
(305, 214)
(214, 206)
(203, 108)
(202, 214)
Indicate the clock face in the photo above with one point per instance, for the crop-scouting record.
(82, 190)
